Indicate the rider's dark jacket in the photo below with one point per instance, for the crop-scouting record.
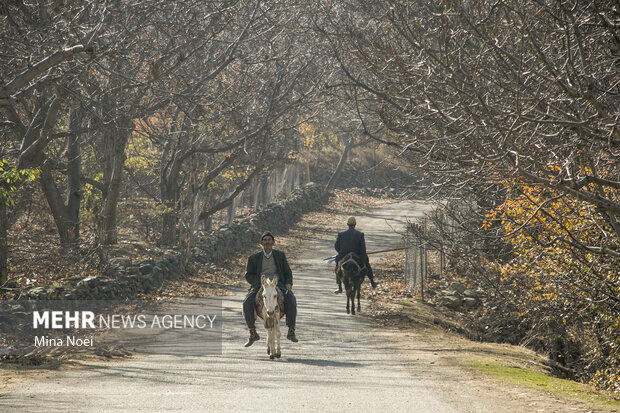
(351, 240)
(254, 268)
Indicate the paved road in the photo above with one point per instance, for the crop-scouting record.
(341, 363)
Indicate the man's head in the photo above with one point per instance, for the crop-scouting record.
(266, 241)
(351, 221)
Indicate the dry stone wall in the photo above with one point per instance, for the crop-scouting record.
(216, 246)
(123, 278)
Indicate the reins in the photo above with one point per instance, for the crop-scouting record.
(350, 257)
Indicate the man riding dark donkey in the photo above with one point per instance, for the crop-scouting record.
(269, 262)
(348, 241)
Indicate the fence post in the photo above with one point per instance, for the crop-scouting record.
(422, 262)
(407, 246)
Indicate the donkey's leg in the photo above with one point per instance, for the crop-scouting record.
(263, 318)
(277, 325)
(359, 307)
(352, 295)
(347, 291)
(272, 339)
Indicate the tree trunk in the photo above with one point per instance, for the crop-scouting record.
(74, 166)
(109, 233)
(4, 246)
(169, 192)
(66, 216)
(168, 229)
(257, 193)
(193, 224)
(57, 207)
(231, 212)
(115, 161)
(33, 155)
(338, 172)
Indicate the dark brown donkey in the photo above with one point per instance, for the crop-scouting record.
(352, 275)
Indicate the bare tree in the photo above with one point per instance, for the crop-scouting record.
(37, 75)
(488, 91)
(238, 90)
(498, 101)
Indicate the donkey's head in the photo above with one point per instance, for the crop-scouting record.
(270, 294)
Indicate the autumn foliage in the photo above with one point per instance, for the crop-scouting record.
(565, 286)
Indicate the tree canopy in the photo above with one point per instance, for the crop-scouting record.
(509, 107)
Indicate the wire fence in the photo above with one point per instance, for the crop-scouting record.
(426, 251)
(415, 258)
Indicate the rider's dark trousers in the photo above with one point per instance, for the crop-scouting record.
(290, 308)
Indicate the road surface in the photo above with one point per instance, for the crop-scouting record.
(341, 363)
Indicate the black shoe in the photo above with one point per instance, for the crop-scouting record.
(339, 290)
(253, 337)
(291, 335)
(373, 283)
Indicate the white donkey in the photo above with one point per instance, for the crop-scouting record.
(270, 313)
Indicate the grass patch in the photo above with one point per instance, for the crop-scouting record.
(528, 378)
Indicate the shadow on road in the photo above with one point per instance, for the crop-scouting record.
(324, 363)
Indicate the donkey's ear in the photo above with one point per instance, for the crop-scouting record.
(262, 279)
(275, 280)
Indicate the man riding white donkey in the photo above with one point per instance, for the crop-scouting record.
(348, 241)
(268, 264)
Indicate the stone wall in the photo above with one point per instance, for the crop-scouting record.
(277, 218)
(123, 278)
